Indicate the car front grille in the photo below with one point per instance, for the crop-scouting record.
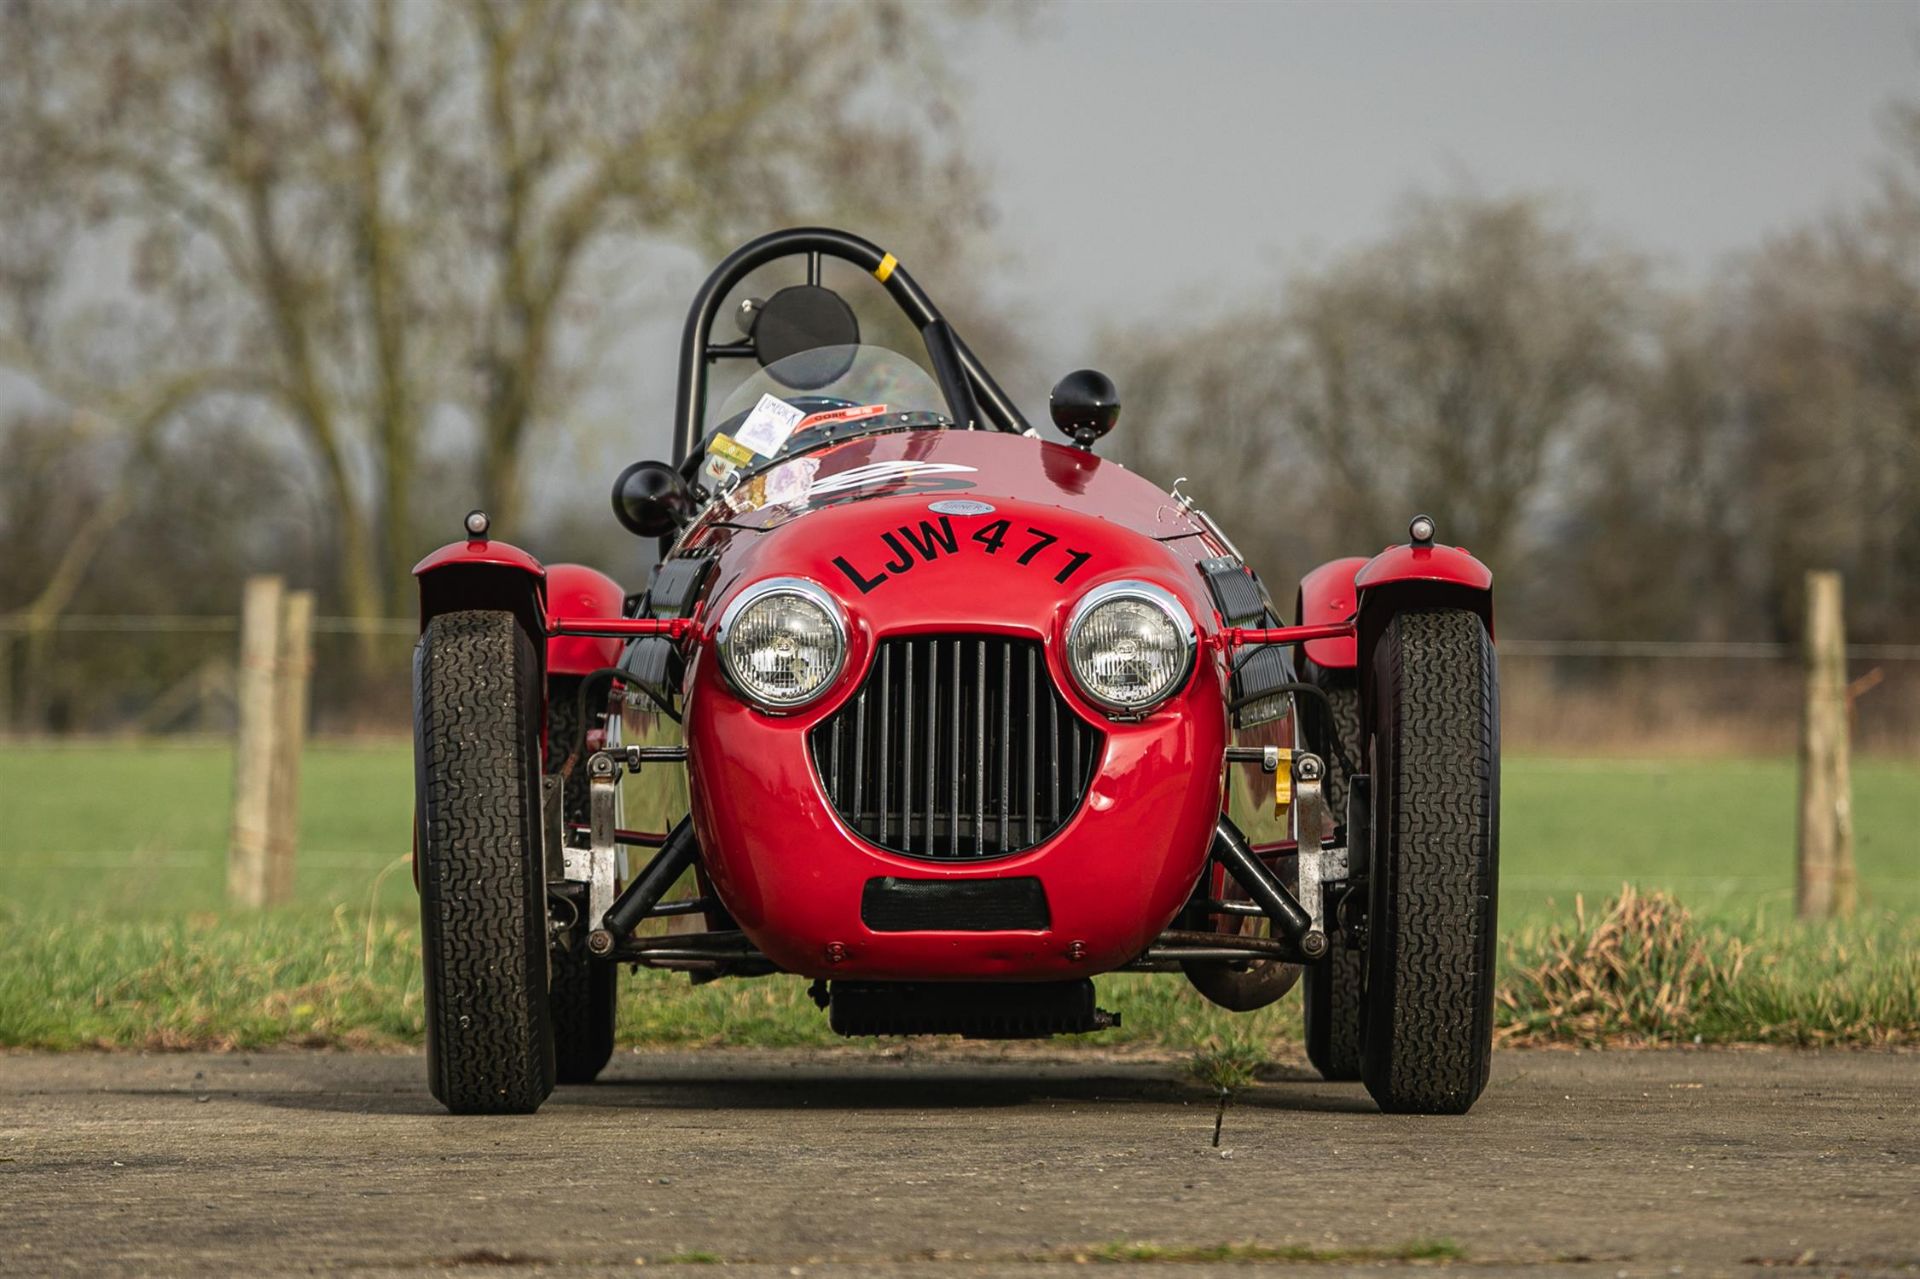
(956, 747)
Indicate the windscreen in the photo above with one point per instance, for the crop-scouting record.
(834, 378)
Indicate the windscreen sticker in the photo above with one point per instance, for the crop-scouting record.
(726, 446)
(790, 481)
(906, 547)
(768, 426)
(829, 417)
(791, 487)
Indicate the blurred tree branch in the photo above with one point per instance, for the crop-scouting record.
(382, 211)
(1442, 369)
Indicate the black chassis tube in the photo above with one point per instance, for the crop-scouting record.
(638, 899)
(943, 349)
(696, 341)
(1231, 850)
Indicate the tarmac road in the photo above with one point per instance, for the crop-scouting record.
(944, 1164)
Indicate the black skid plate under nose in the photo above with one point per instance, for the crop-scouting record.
(977, 1010)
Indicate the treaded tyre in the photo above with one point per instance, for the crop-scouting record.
(583, 992)
(1330, 996)
(1436, 787)
(483, 907)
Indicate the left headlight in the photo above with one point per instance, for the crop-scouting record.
(782, 641)
(1129, 646)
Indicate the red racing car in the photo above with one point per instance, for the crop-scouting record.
(965, 717)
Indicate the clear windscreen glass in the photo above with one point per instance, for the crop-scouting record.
(838, 391)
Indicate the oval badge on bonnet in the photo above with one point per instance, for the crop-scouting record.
(960, 506)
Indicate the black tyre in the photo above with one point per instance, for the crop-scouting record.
(1331, 994)
(584, 991)
(1435, 754)
(483, 909)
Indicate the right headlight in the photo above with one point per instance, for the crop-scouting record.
(782, 641)
(1129, 646)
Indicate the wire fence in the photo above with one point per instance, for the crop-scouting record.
(157, 674)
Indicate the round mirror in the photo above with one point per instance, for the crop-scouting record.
(799, 322)
(651, 500)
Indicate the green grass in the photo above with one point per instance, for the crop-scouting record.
(1718, 833)
(150, 839)
(1229, 1064)
(141, 829)
(115, 932)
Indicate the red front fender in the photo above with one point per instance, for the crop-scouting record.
(576, 591)
(1450, 564)
(1404, 577)
(489, 574)
(1327, 595)
(481, 573)
(1411, 577)
(1373, 589)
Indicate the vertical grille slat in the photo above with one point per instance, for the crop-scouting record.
(906, 747)
(932, 795)
(1005, 736)
(941, 757)
(1053, 760)
(954, 768)
(860, 762)
(1032, 796)
(978, 770)
(883, 763)
(833, 753)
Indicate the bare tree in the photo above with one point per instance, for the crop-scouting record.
(376, 223)
(1652, 540)
(1825, 340)
(1449, 368)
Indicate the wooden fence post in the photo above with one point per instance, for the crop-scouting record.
(1826, 874)
(253, 753)
(292, 673)
(6, 681)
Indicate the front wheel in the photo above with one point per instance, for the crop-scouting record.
(1435, 752)
(483, 910)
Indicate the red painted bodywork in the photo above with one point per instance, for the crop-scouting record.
(778, 855)
(1327, 594)
(572, 592)
(1333, 591)
(1425, 564)
(576, 591)
(477, 551)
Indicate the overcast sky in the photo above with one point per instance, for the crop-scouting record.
(1149, 157)
(1143, 152)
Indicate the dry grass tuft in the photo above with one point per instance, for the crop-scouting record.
(1645, 971)
(1638, 972)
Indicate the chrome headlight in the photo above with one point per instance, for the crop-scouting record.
(782, 641)
(1129, 646)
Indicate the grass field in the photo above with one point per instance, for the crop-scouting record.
(151, 837)
(116, 931)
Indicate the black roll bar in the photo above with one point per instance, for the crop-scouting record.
(972, 388)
